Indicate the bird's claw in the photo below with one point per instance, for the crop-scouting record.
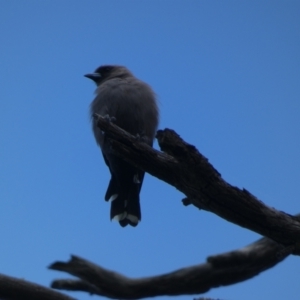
(110, 119)
(106, 117)
(141, 137)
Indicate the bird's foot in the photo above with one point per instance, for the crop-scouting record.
(106, 117)
(141, 137)
(110, 119)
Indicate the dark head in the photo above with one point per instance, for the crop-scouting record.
(107, 72)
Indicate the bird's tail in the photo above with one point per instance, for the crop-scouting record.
(125, 205)
(127, 212)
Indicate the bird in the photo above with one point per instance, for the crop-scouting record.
(131, 104)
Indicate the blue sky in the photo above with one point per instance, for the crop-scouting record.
(227, 76)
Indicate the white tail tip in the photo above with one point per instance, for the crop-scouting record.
(120, 217)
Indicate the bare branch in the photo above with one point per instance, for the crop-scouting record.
(19, 289)
(190, 172)
(75, 285)
(219, 270)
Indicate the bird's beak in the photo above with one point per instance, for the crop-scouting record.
(94, 76)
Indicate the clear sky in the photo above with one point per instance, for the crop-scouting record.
(227, 76)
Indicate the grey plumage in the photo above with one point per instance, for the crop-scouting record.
(132, 104)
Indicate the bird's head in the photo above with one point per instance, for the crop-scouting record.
(106, 72)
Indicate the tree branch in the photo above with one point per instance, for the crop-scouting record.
(219, 270)
(19, 289)
(184, 167)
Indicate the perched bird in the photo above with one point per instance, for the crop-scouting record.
(131, 104)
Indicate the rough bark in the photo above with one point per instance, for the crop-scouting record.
(184, 167)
